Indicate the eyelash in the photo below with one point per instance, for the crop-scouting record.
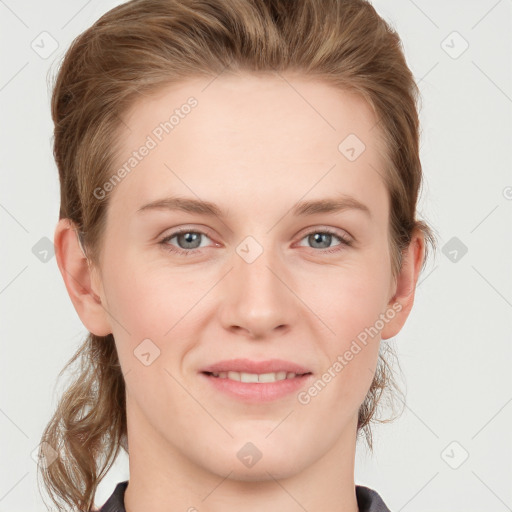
(344, 241)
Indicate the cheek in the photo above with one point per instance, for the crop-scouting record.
(347, 300)
(350, 304)
(154, 304)
(146, 299)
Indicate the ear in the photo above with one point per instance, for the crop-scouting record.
(80, 279)
(403, 298)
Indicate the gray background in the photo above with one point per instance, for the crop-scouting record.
(451, 450)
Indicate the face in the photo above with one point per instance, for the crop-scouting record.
(265, 273)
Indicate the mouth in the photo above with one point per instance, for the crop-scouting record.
(256, 378)
(256, 382)
(254, 367)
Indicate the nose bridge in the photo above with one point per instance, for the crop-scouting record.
(259, 299)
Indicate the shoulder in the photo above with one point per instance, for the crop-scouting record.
(115, 503)
(369, 500)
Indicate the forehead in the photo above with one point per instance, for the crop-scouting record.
(250, 134)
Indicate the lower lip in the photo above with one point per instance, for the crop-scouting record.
(255, 392)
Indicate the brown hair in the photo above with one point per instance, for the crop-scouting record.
(143, 45)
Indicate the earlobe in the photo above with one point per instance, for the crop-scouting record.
(78, 279)
(403, 299)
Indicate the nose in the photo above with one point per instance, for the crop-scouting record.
(258, 296)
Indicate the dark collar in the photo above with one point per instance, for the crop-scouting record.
(368, 500)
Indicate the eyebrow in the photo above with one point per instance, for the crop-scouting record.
(302, 208)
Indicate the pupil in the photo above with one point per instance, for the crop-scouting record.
(189, 239)
(317, 238)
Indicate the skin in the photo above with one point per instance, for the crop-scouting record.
(255, 147)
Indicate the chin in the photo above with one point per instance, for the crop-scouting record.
(245, 462)
(262, 471)
(254, 456)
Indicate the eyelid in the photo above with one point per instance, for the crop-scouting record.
(172, 232)
(342, 233)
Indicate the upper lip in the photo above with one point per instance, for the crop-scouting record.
(250, 366)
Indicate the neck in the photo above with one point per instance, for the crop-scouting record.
(163, 479)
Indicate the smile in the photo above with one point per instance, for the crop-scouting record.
(254, 377)
(257, 388)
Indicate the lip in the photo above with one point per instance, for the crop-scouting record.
(252, 392)
(250, 366)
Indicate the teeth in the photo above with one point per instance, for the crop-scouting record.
(255, 377)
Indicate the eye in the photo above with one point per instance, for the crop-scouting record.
(189, 241)
(324, 237)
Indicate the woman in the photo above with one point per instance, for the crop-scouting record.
(238, 233)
